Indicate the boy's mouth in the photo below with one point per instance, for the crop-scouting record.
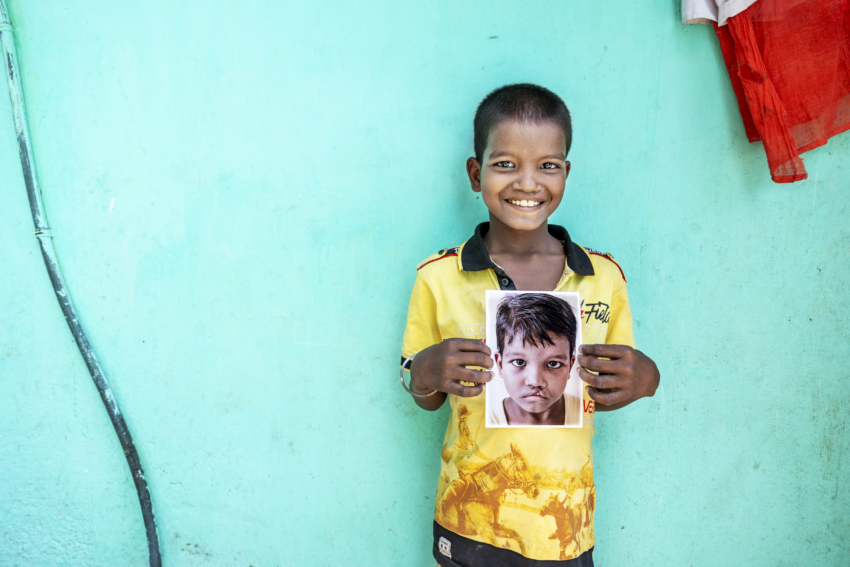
(524, 203)
(536, 395)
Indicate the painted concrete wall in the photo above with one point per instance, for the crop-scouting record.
(240, 194)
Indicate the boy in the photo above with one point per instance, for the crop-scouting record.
(507, 496)
(535, 351)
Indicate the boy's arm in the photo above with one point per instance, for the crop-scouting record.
(628, 374)
(439, 364)
(430, 403)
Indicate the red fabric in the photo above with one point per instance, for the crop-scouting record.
(789, 61)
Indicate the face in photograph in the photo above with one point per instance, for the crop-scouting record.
(535, 376)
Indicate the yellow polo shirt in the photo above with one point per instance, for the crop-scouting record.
(528, 490)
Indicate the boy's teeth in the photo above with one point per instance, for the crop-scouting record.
(524, 203)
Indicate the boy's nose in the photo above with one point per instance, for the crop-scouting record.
(534, 378)
(527, 180)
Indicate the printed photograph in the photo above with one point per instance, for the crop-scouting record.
(534, 339)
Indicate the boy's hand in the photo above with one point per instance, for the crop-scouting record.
(628, 376)
(442, 367)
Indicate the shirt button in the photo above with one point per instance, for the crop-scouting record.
(505, 282)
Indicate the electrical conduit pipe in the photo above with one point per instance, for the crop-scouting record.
(45, 240)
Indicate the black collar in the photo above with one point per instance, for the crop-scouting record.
(474, 256)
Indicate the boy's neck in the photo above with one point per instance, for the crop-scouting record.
(554, 415)
(502, 240)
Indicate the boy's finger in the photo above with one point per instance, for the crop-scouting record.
(471, 345)
(474, 359)
(476, 376)
(598, 365)
(606, 398)
(605, 351)
(600, 381)
(465, 391)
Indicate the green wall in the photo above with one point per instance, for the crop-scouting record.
(240, 194)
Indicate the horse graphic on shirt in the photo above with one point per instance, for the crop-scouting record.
(568, 521)
(465, 445)
(477, 494)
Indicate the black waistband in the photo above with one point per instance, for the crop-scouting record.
(469, 553)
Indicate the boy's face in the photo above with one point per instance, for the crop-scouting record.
(523, 173)
(535, 376)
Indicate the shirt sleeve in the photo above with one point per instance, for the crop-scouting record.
(710, 11)
(620, 328)
(422, 329)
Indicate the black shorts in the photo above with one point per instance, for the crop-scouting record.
(468, 553)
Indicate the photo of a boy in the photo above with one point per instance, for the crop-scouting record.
(534, 356)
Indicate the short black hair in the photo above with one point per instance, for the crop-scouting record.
(535, 317)
(523, 102)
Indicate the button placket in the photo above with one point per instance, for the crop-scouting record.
(503, 279)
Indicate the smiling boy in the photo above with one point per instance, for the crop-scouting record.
(535, 351)
(490, 505)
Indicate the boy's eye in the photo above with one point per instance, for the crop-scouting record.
(554, 364)
(519, 363)
(550, 165)
(503, 164)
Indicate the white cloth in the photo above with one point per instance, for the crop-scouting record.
(708, 11)
(572, 415)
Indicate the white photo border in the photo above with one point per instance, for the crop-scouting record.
(495, 391)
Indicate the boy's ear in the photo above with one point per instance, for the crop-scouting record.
(498, 358)
(473, 170)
